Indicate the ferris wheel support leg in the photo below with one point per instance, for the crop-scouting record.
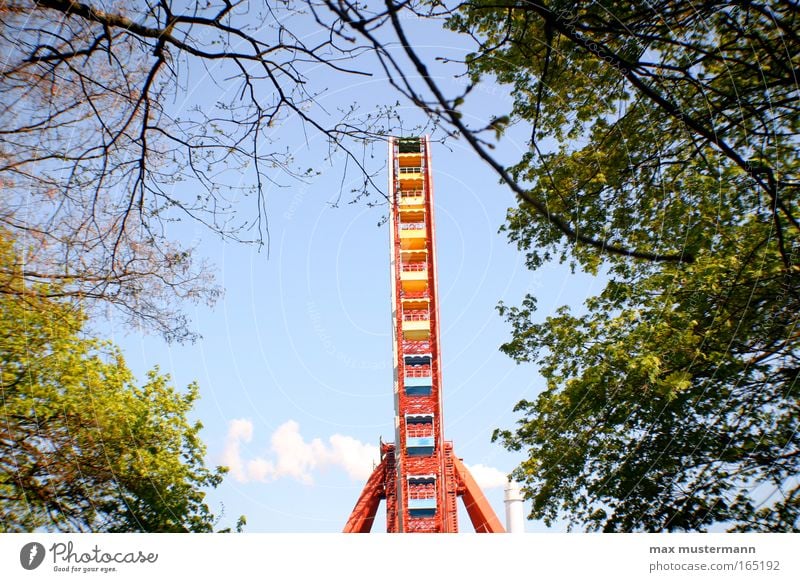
(363, 514)
(479, 510)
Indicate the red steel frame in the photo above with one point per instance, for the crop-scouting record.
(420, 478)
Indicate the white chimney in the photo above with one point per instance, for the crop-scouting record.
(515, 516)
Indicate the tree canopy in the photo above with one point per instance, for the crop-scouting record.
(83, 447)
(665, 135)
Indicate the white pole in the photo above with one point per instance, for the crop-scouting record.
(515, 516)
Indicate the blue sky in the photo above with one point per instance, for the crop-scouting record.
(298, 351)
(294, 363)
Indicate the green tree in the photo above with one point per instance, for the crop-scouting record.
(662, 155)
(83, 447)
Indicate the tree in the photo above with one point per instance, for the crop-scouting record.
(672, 404)
(118, 121)
(662, 154)
(82, 446)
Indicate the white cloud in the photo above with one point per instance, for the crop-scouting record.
(239, 430)
(291, 456)
(488, 477)
(257, 470)
(353, 456)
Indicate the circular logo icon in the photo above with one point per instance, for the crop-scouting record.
(31, 555)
